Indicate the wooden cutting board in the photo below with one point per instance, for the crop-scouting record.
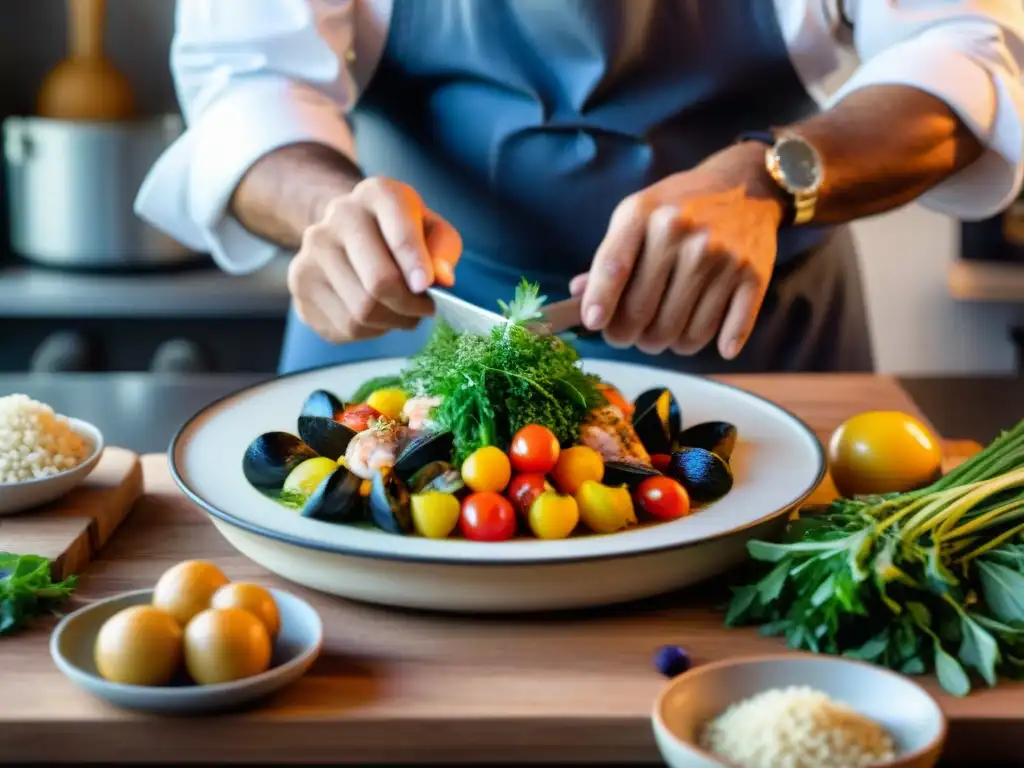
(71, 530)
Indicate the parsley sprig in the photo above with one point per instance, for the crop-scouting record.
(27, 590)
(494, 384)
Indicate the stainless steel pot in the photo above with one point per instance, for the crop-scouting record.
(70, 189)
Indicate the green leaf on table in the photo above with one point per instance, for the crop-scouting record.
(28, 590)
(978, 649)
(952, 677)
(770, 587)
(913, 666)
(872, 649)
(1003, 590)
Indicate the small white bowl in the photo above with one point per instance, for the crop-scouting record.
(296, 647)
(19, 497)
(912, 717)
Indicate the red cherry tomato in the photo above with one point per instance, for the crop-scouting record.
(534, 449)
(524, 489)
(663, 498)
(660, 461)
(358, 417)
(487, 516)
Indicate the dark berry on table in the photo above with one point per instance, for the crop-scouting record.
(672, 660)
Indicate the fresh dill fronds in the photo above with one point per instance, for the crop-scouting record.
(492, 385)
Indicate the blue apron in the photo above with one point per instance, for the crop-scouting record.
(525, 122)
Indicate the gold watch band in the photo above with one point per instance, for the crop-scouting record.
(805, 202)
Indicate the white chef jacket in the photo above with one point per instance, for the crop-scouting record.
(256, 75)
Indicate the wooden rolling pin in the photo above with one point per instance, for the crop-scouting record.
(86, 85)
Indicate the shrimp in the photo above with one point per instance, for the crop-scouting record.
(374, 448)
(416, 412)
(611, 435)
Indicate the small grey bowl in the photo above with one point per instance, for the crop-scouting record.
(295, 649)
(912, 717)
(20, 497)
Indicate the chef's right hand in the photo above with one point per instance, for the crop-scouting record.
(363, 268)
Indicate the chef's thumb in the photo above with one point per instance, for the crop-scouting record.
(445, 247)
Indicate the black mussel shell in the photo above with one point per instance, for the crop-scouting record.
(422, 450)
(705, 475)
(436, 476)
(325, 436)
(618, 473)
(336, 499)
(715, 436)
(657, 420)
(322, 403)
(389, 504)
(271, 456)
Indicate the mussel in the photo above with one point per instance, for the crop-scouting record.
(705, 475)
(325, 436)
(389, 504)
(271, 457)
(631, 475)
(422, 450)
(436, 476)
(336, 499)
(322, 403)
(657, 420)
(715, 436)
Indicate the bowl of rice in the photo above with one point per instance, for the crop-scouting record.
(43, 455)
(797, 710)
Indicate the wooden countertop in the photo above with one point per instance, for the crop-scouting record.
(403, 687)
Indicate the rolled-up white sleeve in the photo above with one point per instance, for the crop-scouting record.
(252, 76)
(969, 54)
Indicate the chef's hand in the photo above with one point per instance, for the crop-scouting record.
(362, 269)
(687, 259)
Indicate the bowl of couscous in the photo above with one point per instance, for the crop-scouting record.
(797, 710)
(43, 455)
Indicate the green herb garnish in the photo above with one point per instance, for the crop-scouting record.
(931, 580)
(494, 384)
(27, 590)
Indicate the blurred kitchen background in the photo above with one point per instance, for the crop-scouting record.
(84, 286)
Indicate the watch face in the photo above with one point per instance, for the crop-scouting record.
(799, 164)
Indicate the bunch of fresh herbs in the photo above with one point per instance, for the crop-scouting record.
(27, 590)
(931, 580)
(494, 384)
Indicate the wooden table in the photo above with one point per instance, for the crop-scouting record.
(402, 687)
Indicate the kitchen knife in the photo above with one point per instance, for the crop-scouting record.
(466, 317)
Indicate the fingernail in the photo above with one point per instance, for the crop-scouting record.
(732, 348)
(444, 272)
(593, 317)
(418, 281)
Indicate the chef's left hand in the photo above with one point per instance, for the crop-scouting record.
(687, 259)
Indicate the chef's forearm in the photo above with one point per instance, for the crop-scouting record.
(882, 147)
(287, 190)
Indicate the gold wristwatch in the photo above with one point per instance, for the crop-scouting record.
(795, 165)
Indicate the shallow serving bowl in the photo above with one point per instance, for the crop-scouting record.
(777, 463)
(296, 647)
(901, 706)
(19, 497)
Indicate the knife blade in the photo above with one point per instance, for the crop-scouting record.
(466, 317)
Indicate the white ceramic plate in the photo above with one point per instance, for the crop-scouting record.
(777, 463)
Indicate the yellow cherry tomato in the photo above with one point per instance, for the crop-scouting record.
(553, 515)
(305, 478)
(487, 469)
(252, 598)
(388, 402)
(140, 645)
(883, 452)
(434, 514)
(576, 465)
(605, 509)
